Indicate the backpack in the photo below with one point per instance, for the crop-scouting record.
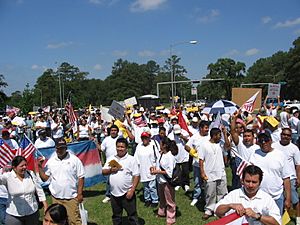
(176, 176)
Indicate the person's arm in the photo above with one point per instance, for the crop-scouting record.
(110, 170)
(278, 103)
(287, 190)
(233, 131)
(41, 171)
(224, 208)
(202, 172)
(298, 175)
(135, 182)
(80, 189)
(130, 135)
(227, 144)
(266, 220)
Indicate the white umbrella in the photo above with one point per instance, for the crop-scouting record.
(222, 106)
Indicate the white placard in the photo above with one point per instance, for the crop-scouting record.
(116, 110)
(273, 90)
(194, 91)
(130, 101)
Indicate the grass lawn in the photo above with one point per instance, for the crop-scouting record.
(100, 213)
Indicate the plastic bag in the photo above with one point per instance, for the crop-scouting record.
(83, 214)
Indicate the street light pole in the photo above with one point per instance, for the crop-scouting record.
(172, 65)
(41, 96)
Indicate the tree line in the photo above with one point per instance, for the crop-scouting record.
(129, 79)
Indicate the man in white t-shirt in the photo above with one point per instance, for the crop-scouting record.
(212, 169)
(284, 117)
(250, 201)
(66, 173)
(197, 140)
(276, 170)
(7, 140)
(43, 141)
(194, 127)
(292, 154)
(123, 178)
(108, 147)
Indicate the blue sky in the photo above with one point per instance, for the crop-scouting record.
(93, 34)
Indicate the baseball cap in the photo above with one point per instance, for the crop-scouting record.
(177, 129)
(264, 136)
(61, 144)
(5, 131)
(195, 119)
(145, 134)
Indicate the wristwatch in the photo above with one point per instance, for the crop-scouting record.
(258, 216)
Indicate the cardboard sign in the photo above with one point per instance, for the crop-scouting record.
(116, 110)
(130, 101)
(273, 90)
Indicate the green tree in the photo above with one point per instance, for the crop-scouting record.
(232, 72)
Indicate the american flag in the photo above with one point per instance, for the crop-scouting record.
(244, 163)
(249, 104)
(71, 114)
(6, 154)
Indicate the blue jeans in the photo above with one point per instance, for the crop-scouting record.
(3, 202)
(150, 191)
(294, 193)
(107, 191)
(280, 203)
(198, 183)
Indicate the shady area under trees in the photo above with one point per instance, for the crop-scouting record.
(129, 79)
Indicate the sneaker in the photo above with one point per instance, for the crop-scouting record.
(194, 202)
(186, 188)
(154, 205)
(147, 204)
(205, 216)
(106, 199)
(177, 188)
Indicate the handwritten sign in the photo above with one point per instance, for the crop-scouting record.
(273, 90)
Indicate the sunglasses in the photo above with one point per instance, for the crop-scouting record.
(288, 135)
(263, 140)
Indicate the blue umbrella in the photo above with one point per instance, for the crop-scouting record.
(222, 106)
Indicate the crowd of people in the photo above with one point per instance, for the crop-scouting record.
(147, 146)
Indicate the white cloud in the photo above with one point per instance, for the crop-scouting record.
(35, 67)
(98, 67)
(208, 16)
(146, 5)
(59, 45)
(231, 53)
(103, 2)
(120, 53)
(146, 53)
(266, 19)
(288, 23)
(297, 32)
(252, 51)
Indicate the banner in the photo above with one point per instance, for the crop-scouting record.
(88, 153)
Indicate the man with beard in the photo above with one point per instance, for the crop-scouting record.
(292, 154)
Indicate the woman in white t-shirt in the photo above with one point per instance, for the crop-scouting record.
(84, 131)
(166, 192)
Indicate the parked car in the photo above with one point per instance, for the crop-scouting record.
(292, 104)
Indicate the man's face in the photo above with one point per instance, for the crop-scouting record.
(173, 122)
(248, 138)
(264, 143)
(217, 137)
(61, 151)
(251, 183)
(113, 132)
(286, 136)
(204, 130)
(121, 149)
